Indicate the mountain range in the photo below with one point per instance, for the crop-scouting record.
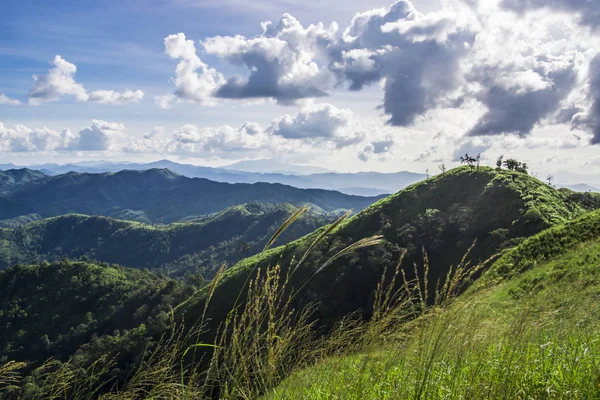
(88, 312)
(154, 196)
(198, 246)
(361, 183)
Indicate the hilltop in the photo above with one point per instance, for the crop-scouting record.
(443, 215)
(158, 195)
(197, 246)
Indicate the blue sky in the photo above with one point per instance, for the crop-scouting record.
(404, 86)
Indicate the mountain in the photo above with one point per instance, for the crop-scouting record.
(535, 304)
(14, 179)
(158, 195)
(273, 166)
(442, 215)
(199, 246)
(374, 182)
(580, 187)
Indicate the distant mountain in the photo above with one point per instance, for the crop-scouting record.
(272, 166)
(156, 195)
(373, 182)
(13, 179)
(580, 187)
(360, 191)
(200, 246)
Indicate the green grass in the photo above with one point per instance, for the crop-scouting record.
(534, 336)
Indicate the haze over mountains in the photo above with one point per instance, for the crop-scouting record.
(155, 195)
(300, 176)
(306, 177)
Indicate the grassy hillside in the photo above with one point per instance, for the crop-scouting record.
(528, 329)
(198, 246)
(53, 309)
(525, 329)
(443, 215)
(159, 195)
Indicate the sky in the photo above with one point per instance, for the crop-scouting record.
(367, 86)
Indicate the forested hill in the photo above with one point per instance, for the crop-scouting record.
(198, 246)
(15, 179)
(442, 215)
(51, 310)
(156, 195)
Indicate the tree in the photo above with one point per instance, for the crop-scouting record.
(513, 165)
(550, 180)
(427, 172)
(467, 159)
(442, 167)
(499, 162)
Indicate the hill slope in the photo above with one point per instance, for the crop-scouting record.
(443, 215)
(162, 196)
(527, 329)
(200, 245)
(51, 310)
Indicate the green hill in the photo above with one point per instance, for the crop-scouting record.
(200, 245)
(159, 195)
(14, 179)
(443, 215)
(52, 310)
(527, 329)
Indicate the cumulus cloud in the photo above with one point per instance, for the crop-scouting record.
(286, 62)
(60, 82)
(5, 100)
(20, 138)
(57, 83)
(377, 148)
(319, 121)
(221, 142)
(587, 10)
(99, 136)
(515, 111)
(112, 97)
(590, 119)
(417, 55)
(194, 81)
(522, 72)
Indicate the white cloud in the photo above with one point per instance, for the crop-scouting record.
(112, 97)
(5, 100)
(60, 82)
(57, 83)
(319, 121)
(100, 136)
(194, 81)
(19, 139)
